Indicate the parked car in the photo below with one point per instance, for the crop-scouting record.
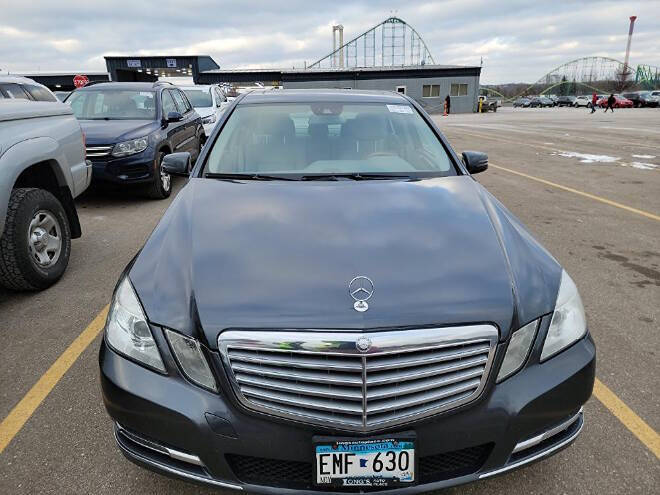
(42, 169)
(541, 102)
(566, 101)
(209, 102)
(620, 102)
(23, 88)
(583, 101)
(642, 99)
(522, 102)
(130, 127)
(325, 282)
(488, 105)
(552, 98)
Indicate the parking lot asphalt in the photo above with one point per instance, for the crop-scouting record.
(612, 252)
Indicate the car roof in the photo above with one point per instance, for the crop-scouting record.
(312, 95)
(18, 80)
(197, 86)
(137, 86)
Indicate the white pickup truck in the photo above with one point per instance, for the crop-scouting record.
(42, 169)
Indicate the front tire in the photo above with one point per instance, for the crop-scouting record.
(161, 186)
(36, 243)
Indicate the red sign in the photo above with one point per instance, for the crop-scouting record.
(79, 81)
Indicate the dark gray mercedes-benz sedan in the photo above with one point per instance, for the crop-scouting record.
(333, 304)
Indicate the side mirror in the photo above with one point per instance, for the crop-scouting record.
(174, 117)
(177, 163)
(475, 161)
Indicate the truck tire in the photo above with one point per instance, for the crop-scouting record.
(36, 242)
(161, 187)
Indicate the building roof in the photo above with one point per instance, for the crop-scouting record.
(344, 69)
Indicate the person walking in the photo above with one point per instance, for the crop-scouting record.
(594, 99)
(448, 103)
(610, 103)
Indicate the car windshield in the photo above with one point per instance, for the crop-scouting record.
(328, 138)
(199, 97)
(113, 104)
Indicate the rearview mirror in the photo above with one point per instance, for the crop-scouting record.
(177, 163)
(174, 117)
(475, 161)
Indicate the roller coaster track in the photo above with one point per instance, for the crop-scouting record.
(384, 45)
(590, 74)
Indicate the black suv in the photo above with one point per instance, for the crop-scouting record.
(566, 101)
(642, 99)
(130, 127)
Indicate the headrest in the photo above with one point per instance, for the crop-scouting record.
(371, 127)
(318, 130)
(277, 125)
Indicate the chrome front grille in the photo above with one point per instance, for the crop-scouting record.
(98, 151)
(322, 378)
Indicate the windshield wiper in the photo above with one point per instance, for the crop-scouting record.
(354, 176)
(214, 175)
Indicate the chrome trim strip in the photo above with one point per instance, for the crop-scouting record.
(173, 453)
(336, 344)
(530, 442)
(176, 472)
(540, 455)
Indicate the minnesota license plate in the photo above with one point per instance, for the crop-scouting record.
(378, 463)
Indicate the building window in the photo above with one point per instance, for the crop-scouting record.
(459, 90)
(430, 90)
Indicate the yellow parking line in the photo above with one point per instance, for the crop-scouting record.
(19, 415)
(647, 435)
(581, 193)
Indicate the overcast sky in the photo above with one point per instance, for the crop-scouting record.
(518, 40)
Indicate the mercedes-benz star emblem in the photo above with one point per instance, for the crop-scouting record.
(361, 289)
(363, 344)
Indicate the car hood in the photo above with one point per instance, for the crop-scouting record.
(114, 131)
(442, 251)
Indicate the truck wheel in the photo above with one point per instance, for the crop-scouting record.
(36, 243)
(161, 186)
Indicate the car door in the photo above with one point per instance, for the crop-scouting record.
(190, 121)
(175, 130)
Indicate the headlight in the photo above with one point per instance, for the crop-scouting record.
(130, 147)
(569, 323)
(518, 350)
(208, 120)
(127, 331)
(188, 354)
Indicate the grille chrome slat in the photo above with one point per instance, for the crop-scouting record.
(316, 376)
(394, 390)
(344, 407)
(308, 361)
(320, 377)
(393, 376)
(384, 405)
(394, 362)
(312, 416)
(97, 151)
(345, 393)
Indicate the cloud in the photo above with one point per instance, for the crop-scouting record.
(519, 40)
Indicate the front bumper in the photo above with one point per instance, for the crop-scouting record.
(133, 169)
(216, 441)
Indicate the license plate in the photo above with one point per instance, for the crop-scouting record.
(381, 463)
